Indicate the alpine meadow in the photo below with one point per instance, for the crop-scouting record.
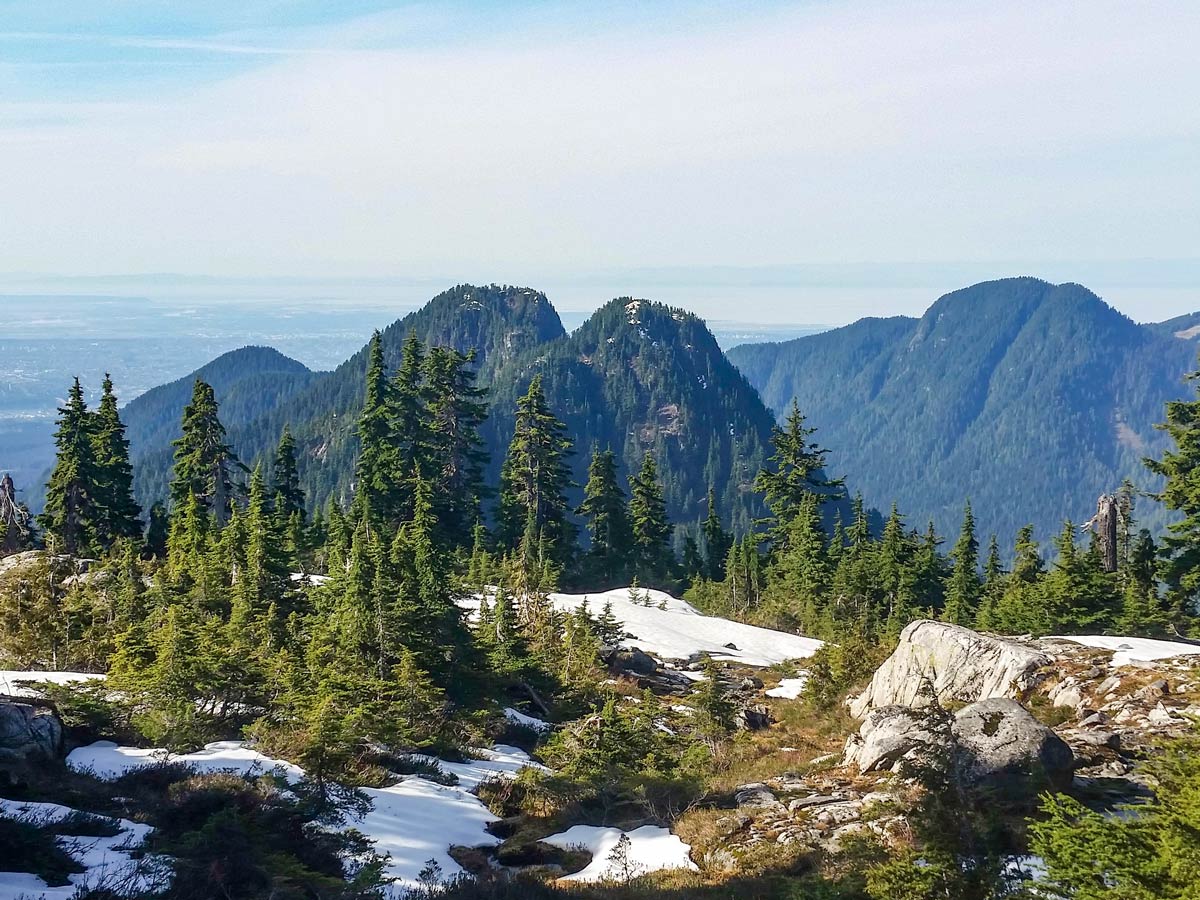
(763, 461)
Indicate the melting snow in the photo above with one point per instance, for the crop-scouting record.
(789, 688)
(108, 860)
(679, 631)
(651, 848)
(519, 718)
(413, 822)
(10, 680)
(1130, 650)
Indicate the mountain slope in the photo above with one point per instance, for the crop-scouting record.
(1028, 398)
(635, 376)
(640, 376)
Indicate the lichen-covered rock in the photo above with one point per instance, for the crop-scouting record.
(951, 664)
(891, 735)
(1000, 743)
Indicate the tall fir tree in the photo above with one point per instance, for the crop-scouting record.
(119, 511)
(653, 559)
(285, 479)
(962, 588)
(454, 413)
(606, 516)
(796, 468)
(535, 477)
(1180, 469)
(204, 462)
(376, 493)
(72, 517)
(717, 541)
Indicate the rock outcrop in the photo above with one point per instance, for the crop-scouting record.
(28, 732)
(935, 660)
(994, 741)
(1001, 744)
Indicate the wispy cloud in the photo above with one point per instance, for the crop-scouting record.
(415, 141)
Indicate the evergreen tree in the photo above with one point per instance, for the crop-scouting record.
(409, 428)
(798, 579)
(962, 589)
(796, 468)
(607, 518)
(203, 460)
(157, 531)
(1077, 595)
(1180, 468)
(896, 575)
(717, 541)
(653, 559)
(376, 492)
(72, 518)
(119, 512)
(992, 589)
(455, 412)
(1019, 608)
(535, 477)
(285, 484)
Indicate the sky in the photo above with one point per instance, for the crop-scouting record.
(783, 162)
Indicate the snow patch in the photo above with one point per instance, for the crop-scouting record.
(789, 688)
(10, 681)
(108, 861)
(651, 848)
(519, 718)
(679, 631)
(1129, 650)
(412, 822)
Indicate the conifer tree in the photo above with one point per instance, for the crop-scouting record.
(157, 530)
(119, 512)
(535, 477)
(376, 492)
(455, 412)
(653, 559)
(896, 575)
(607, 518)
(204, 462)
(1020, 608)
(962, 589)
(800, 573)
(795, 468)
(285, 483)
(717, 541)
(992, 589)
(1180, 469)
(72, 518)
(409, 428)
(1077, 595)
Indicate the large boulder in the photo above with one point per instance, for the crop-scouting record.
(892, 735)
(935, 660)
(1001, 744)
(994, 742)
(27, 732)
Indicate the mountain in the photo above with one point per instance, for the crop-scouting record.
(1028, 398)
(640, 376)
(635, 376)
(497, 322)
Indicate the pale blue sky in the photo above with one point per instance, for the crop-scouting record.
(560, 143)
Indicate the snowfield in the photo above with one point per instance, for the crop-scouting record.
(1132, 650)
(679, 631)
(651, 848)
(109, 861)
(414, 822)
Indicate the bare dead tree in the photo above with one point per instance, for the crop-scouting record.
(1106, 523)
(14, 519)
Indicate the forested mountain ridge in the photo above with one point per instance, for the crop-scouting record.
(636, 376)
(1028, 398)
(640, 376)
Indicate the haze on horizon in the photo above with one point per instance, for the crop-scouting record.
(803, 162)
